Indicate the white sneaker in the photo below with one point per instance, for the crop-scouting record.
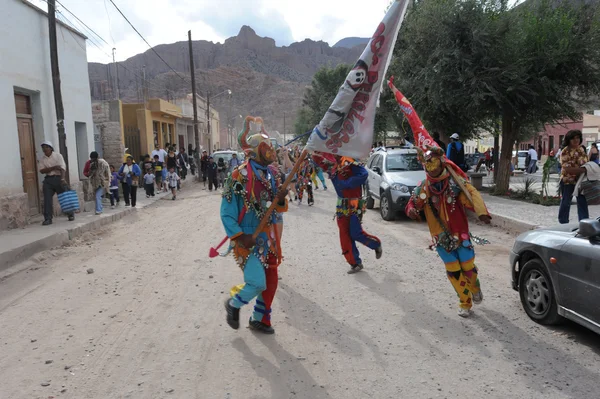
(98, 213)
(112, 207)
(478, 298)
(464, 312)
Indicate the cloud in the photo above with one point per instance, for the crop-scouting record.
(168, 21)
(227, 17)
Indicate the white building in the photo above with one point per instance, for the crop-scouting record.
(27, 113)
(185, 125)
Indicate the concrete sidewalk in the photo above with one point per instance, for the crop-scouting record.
(19, 244)
(518, 217)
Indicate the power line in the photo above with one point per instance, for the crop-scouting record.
(151, 48)
(83, 23)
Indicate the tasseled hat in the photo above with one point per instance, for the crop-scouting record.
(254, 141)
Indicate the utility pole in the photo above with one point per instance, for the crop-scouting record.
(58, 103)
(208, 123)
(194, 101)
(284, 128)
(117, 73)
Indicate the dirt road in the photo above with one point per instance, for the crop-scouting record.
(149, 321)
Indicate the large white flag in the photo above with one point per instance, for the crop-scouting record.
(347, 127)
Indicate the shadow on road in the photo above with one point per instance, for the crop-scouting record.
(315, 322)
(287, 378)
(545, 366)
(419, 317)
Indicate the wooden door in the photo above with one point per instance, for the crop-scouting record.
(29, 164)
(181, 142)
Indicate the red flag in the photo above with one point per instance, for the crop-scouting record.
(422, 137)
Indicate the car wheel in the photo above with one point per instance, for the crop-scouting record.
(537, 293)
(370, 201)
(387, 213)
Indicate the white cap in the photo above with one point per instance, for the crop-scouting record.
(48, 143)
(455, 136)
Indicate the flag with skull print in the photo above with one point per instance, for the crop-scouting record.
(347, 127)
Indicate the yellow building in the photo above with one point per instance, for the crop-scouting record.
(146, 125)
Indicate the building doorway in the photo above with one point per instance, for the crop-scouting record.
(27, 150)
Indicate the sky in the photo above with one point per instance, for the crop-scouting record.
(168, 21)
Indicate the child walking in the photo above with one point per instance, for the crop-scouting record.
(173, 179)
(114, 187)
(149, 179)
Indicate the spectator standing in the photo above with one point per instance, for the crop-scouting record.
(572, 158)
(183, 162)
(149, 180)
(234, 163)
(130, 174)
(438, 141)
(114, 187)
(593, 154)
(211, 173)
(204, 166)
(53, 166)
(456, 152)
(533, 158)
(488, 158)
(173, 179)
(158, 172)
(100, 176)
(221, 171)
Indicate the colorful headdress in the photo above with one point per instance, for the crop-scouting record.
(255, 142)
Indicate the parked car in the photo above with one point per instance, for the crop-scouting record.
(557, 273)
(227, 155)
(473, 159)
(393, 175)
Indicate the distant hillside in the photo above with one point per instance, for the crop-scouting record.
(266, 80)
(351, 42)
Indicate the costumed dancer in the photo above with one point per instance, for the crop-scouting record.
(444, 197)
(348, 178)
(247, 195)
(304, 183)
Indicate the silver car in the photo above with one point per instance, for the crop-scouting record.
(557, 273)
(393, 175)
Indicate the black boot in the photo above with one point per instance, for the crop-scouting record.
(355, 268)
(233, 315)
(260, 326)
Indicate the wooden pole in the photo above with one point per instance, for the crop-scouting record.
(286, 183)
(194, 101)
(58, 103)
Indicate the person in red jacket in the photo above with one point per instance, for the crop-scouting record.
(348, 178)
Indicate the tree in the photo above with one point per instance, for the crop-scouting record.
(319, 96)
(464, 63)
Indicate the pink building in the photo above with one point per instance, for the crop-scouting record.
(552, 137)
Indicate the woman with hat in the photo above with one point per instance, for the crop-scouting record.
(52, 164)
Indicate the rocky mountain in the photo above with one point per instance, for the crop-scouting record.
(266, 80)
(351, 42)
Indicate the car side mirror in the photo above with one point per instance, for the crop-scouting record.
(377, 170)
(589, 228)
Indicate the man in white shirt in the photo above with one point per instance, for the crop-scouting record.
(162, 154)
(533, 158)
(52, 164)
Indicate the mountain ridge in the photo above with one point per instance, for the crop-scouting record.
(266, 80)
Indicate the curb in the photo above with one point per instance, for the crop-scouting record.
(508, 224)
(14, 256)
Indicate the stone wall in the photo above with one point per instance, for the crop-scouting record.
(14, 211)
(107, 119)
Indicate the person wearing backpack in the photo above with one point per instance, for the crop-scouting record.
(456, 152)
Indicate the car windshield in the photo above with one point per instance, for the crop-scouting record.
(402, 163)
(225, 155)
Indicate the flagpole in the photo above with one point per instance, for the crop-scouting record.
(286, 183)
